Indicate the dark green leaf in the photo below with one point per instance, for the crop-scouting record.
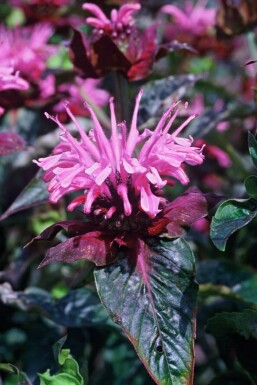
(79, 308)
(233, 378)
(251, 185)
(236, 337)
(210, 118)
(252, 143)
(231, 216)
(222, 272)
(247, 290)
(33, 194)
(58, 347)
(22, 378)
(157, 91)
(152, 296)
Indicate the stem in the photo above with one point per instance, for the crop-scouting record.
(253, 52)
(121, 97)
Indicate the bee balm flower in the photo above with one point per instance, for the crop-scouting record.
(117, 183)
(120, 22)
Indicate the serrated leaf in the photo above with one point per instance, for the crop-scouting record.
(231, 216)
(251, 185)
(152, 296)
(252, 144)
(33, 194)
(157, 91)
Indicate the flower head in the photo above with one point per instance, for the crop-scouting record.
(131, 50)
(194, 19)
(120, 22)
(117, 183)
(26, 49)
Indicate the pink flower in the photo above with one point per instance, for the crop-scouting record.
(79, 90)
(194, 19)
(8, 80)
(120, 22)
(117, 183)
(130, 50)
(26, 49)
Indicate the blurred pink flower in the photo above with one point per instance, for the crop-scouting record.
(8, 80)
(194, 19)
(120, 22)
(80, 90)
(131, 50)
(26, 49)
(114, 179)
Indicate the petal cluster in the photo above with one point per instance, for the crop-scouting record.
(26, 49)
(120, 20)
(127, 170)
(194, 18)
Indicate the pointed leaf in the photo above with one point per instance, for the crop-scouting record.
(79, 54)
(91, 247)
(78, 308)
(152, 296)
(33, 194)
(252, 144)
(231, 216)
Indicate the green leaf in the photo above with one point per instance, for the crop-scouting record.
(21, 377)
(210, 118)
(78, 308)
(247, 290)
(67, 375)
(231, 216)
(236, 337)
(151, 294)
(233, 378)
(33, 194)
(157, 91)
(252, 144)
(222, 272)
(251, 185)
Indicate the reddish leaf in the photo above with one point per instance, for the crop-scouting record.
(91, 247)
(79, 54)
(10, 142)
(184, 211)
(106, 56)
(142, 52)
(72, 227)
